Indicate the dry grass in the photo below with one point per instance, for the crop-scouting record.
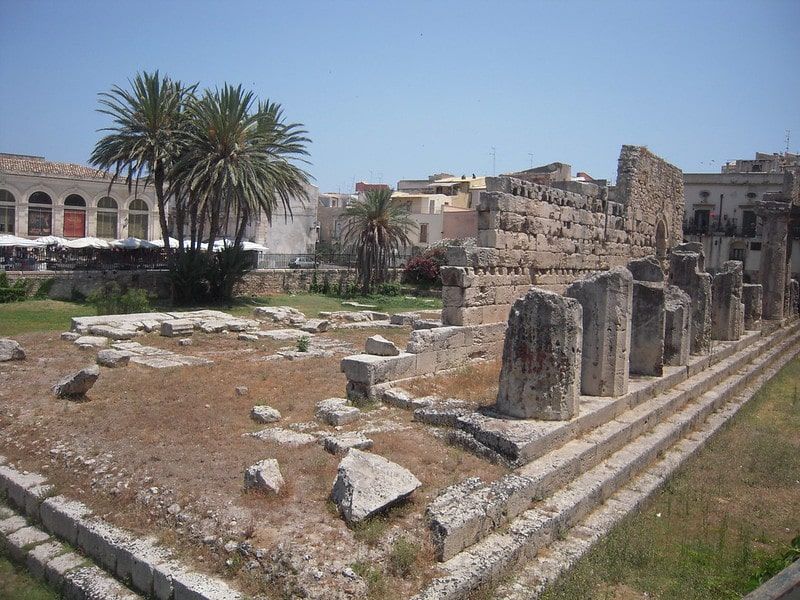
(476, 382)
(182, 430)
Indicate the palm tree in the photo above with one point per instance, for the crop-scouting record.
(144, 141)
(237, 162)
(376, 227)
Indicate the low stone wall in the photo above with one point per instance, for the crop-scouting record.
(428, 351)
(67, 285)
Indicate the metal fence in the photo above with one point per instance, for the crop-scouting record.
(316, 261)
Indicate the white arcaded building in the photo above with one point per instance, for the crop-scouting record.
(39, 197)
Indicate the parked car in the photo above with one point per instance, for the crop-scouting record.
(301, 262)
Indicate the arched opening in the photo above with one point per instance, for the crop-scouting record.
(7, 211)
(137, 218)
(74, 216)
(40, 214)
(661, 241)
(107, 218)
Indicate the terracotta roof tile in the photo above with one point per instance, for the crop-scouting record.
(37, 165)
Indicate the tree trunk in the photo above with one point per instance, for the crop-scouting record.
(159, 177)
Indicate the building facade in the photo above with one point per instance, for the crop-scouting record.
(40, 198)
(721, 210)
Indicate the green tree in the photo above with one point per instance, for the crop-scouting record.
(238, 162)
(376, 228)
(144, 141)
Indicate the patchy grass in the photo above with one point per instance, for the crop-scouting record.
(312, 304)
(16, 584)
(476, 382)
(722, 524)
(39, 315)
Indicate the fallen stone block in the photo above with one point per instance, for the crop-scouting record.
(112, 333)
(380, 346)
(70, 336)
(77, 384)
(11, 350)
(425, 324)
(91, 341)
(247, 337)
(113, 358)
(341, 443)
(283, 436)
(336, 411)
(242, 390)
(177, 328)
(277, 314)
(264, 414)
(283, 335)
(367, 484)
(370, 369)
(315, 325)
(265, 475)
(406, 318)
(185, 342)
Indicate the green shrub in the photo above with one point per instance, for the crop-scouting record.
(13, 292)
(188, 274)
(302, 344)
(108, 299)
(403, 557)
(43, 291)
(390, 288)
(227, 268)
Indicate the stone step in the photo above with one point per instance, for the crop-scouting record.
(521, 441)
(149, 568)
(71, 575)
(485, 562)
(463, 515)
(562, 554)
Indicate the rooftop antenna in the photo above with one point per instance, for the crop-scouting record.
(493, 154)
(530, 155)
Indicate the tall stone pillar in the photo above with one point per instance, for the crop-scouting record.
(648, 320)
(686, 272)
(677, 327)
(727, 308)
(774, 210)
(541, 372)
(752, 296)
(607, 301)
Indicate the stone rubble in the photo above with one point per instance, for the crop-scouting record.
(75, 385)
(367, 484)
(265, 414)
(10, 350)
(380, 346)
(265, 476)
(113, 358)
(336, 411)
(342, 442)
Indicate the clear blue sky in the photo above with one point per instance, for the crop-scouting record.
(395, 90)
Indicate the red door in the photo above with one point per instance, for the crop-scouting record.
(74, 223)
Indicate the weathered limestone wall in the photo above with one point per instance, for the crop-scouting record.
(68, 284)
(428, 351)
(531, 234)
(752, 299)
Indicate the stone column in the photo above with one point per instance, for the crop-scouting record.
(677, 326)
(686, 272)
(727, 309)
(541, 372)
(751, 297)
(607, 301)
(794, 298)
(774, 210)
(648, 317)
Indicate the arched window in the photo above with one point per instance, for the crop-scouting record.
(40, 214)
(137, 218)
(107, 218)
(74, 216)
(7, 211)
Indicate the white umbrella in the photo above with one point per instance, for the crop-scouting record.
(51, 240)
(87, 242)
(18, 242)
(132, 243)
(173, 243)
(252, 246)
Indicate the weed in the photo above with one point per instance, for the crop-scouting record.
(302, 344)
(377, 585)
(402, 557)
(371, 530)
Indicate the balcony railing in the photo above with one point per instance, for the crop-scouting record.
(729, 229)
